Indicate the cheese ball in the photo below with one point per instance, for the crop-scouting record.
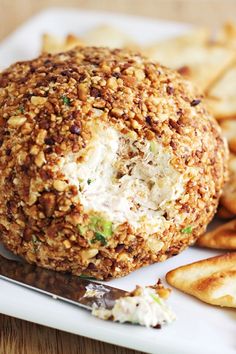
(108, 162)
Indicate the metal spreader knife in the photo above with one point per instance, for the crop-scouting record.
(75, 290)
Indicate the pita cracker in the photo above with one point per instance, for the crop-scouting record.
(222, 98)
(53, 44)
(222, 237)
(107, 36)
(72, 41)
(229, 131)
(227, 34)
(195, 56)
(211, 280)
(224, 213)
(174, 45)
(228, 199)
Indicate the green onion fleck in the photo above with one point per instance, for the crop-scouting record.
(35, 242)
(82, 230)
(66, 100)
(101, 228)
(153, 147)
(99, 237)
(98, 224)
(156, 299)
(83, 276)
(34, 239)
(187, 230)
(93, 221)
(89, 181)
(107, 228)
(21, 109)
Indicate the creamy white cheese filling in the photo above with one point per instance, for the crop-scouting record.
(124, 179)
(146, 309)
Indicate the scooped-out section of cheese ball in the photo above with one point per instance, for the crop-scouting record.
(108, 162)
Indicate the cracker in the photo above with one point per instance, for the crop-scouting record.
(224, 213)
(222, 237)
(108, 36)
(211, 280)
(176, 44)
(228, 199)
(222, 98)
(53, 44)
(227, 34)
(195, 56)
(229, 131)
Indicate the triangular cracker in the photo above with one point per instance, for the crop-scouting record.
(227, 34)
(223, 237)
(195, 56)
(229, 130)
(108, 36)
(211, 280)
(224, 213)
(53, 44)
(222, 98)
(228, 199)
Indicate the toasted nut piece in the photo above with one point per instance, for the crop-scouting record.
(139, 74)
(82, 92)
(117, 112)
(211, 280)
(16, 121)
(40, 159)
(21, 157)
(135, 124)
(38, 100)
(48, 201)
(34, 150)
(150, 135)
(26, 128)
(67, 244)
(223, 237)
(154, 244)
(27, 234)
(59, 185)
(41, 136)
(112, 83)
(123, 256)
(87, 254)
(74, 218)
(32, 198)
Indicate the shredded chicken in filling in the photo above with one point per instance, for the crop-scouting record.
(124, 179)
(146, 308)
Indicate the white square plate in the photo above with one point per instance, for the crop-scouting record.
(200, 328)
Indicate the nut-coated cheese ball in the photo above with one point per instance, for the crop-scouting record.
(108, 162)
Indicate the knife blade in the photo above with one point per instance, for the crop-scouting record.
(64, 286)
